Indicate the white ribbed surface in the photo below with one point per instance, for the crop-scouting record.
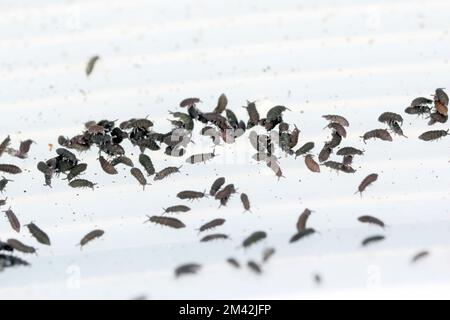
(355, 58)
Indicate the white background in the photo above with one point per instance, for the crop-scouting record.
(355, 58)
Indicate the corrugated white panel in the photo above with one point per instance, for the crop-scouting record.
(355, 58)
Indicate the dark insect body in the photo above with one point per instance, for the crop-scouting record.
(420, 101)
(418, 110)
(338, 119)
(371, 220)
(216, 236)
(10, 168)
(381, 134)
(224, 195)
(349, 151)
(388, 117)
(167, 221)
(38, 234)
(82, 183)
(267, 254)
(433, 135)
(372, 239)
(3, 202)
(311, 164)
(303, 219)
(371, 178)
(254, 238)
(325, 153)
(335, 141)
(44, 168)
(66, 154)
(307, 147)
(107, 166)
(13, 220)
(3, 183)
(233, 262)
(185, 269)
(395, 127)
(176, 209)
(347, 160)
(19, 246)
(441, 96)
(147, 163)
(245, 201)
(164, 173)
(191, 195)
(4, 145)
(338, 128)
(5, 247)
(139, 176)
(76, 171)
(91, 64)
(275, 113)
(252, 113)
(7, 261)
(217, 184)
(211, 225)
(91, 236)
(253, 266)
(302, 234)
(419, 256)
(436, 117)
(189, 102)
(221, 104)
(339, 166)
(122, 160)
